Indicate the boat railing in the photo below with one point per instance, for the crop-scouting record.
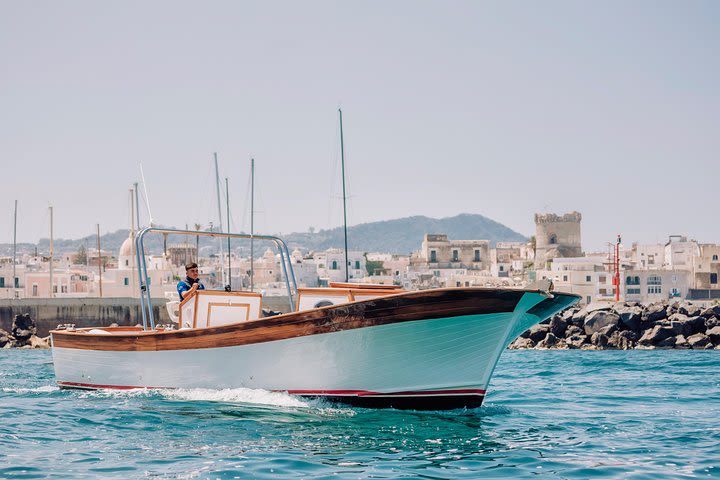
(145, 302)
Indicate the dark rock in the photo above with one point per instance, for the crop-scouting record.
(696, 324)
(567, 315)
(681, 342)
(713, 311)
(6, 339)
(576, 341)
(630, 317)
(622, 340)
(521, 343)
(689, 309)
(654, 312)
(599, 340)
(549, 341)
(711, 322)
(573, 330)
(600, 319)
(558, 326)
(714, 335)
(597, 306)
(23, 328)
(699, 341)
(578, 319)
(538, 332)
(656, 335)
(667, 343)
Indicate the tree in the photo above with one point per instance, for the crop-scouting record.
(81, 257)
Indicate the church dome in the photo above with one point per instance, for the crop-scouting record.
(127, 247)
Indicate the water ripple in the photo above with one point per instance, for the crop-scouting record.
(548, 414)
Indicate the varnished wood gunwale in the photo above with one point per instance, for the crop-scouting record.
(404, 307)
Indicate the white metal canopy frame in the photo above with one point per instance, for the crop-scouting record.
(145, 303)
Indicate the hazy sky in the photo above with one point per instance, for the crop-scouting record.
(500, 108)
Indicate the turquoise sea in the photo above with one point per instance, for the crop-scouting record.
(549, 414)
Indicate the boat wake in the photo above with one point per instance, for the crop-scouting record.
(43, 389)
(236, 395)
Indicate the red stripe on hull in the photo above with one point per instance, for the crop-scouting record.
(314, 393)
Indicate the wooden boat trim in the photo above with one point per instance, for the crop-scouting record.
(384, 310)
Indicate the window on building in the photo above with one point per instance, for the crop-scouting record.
(63, 288)
(633, 291)
(713, 278)
(433, 256)
(588, 299)
(651, 260)
(456, 256)
(334, 265)
(467, 284)
(714, 258)
(35, 290)
(397, 272)
(17, 282)
(654, 284)
(564, 278)
(632, 280)
(126, 281)
(603, 291)
(502, 268)
(54, 288)
(552, 239)
(357, 264)
(674, 279)
(477, 255)
(602, 279)
(2, 282)
(457, 284)
(588, 278)
(127, 263)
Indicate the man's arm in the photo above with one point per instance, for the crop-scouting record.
(192, 290)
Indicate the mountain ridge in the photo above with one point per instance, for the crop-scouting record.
(399, 236)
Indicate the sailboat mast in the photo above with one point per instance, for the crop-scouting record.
(252, 224)
(99, 260)
(14, 248)
(227, 206)
(219, 204)
(52, 294)
(342, 157)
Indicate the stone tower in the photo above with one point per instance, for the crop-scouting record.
(556, 236)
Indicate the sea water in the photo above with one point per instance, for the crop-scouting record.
(548, 414)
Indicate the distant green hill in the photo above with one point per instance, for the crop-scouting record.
(402, 236)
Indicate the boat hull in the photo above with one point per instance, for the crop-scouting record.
(425, 363)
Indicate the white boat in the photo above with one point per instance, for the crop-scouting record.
(373, 346)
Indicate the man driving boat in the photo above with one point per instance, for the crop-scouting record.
(191, 283)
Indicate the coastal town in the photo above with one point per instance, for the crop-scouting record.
(677, 269)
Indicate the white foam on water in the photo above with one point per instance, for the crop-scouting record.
(235, 395)
(44, 389)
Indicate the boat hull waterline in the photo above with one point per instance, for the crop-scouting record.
(421, 350)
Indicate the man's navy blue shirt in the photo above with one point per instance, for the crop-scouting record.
(186, 285)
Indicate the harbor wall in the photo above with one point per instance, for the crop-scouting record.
(89, 312)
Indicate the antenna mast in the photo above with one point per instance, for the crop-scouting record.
(14, 249)
(227, 206)
(252, 223)
(219, 204)
(342, 156)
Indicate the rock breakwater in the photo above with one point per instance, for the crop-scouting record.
(627, 325)
(23, 334)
